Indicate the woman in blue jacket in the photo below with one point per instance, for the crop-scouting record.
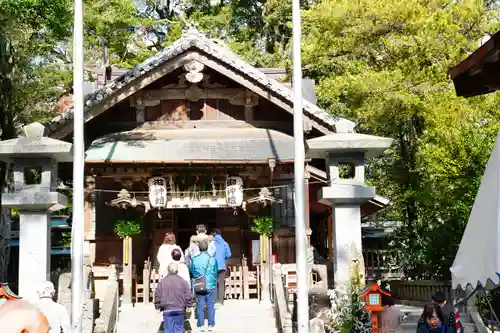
(204, 265)
(222, 253)
(433, 320)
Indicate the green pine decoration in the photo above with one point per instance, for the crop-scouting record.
(127, 228)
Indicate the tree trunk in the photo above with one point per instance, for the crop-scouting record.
(8, 132)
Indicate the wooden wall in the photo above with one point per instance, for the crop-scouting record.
(183, 110)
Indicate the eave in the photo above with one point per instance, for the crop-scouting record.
(480, 73)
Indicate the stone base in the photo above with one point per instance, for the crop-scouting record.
(35, 200)
(345, 194)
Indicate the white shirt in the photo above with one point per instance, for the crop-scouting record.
(57, 315)
(164, 257)
(184, 273)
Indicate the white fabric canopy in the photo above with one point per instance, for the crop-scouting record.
(477, 262)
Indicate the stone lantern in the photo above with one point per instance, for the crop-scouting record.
(34, 159)
(345, 155)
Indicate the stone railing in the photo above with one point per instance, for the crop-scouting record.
(90, 303)
(282, 312)
(420, 292)
(62, 281)
(106, 323)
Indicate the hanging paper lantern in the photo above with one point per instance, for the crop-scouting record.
(234, 191)
(157, 192)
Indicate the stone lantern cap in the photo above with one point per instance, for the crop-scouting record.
(35, 144)
(371, 145)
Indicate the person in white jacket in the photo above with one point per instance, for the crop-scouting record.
(183, 270)
(56, 313)
(164, 255)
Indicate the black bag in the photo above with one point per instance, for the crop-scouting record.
(200, 283)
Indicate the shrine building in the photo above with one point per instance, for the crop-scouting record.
(195, 135)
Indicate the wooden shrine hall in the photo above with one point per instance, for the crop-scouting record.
(195, 135)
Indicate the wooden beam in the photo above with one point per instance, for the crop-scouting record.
(128, 90)
(281, 126)
(475, 58)
(279, 101)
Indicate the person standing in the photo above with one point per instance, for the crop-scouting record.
(390, 318)
(56, 313)
(164, 255)
(448, 312)
(201, 235)
(183, 269)
(449, 315)
(174, 298)
(222, 253)
(433, 320)
(204, 271)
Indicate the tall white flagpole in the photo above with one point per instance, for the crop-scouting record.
(299, 170)
(77, 231)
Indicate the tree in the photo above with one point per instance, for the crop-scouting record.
(385, 65)
(29, 29)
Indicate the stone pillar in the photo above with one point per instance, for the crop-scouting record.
(34, 251)
(346, 194)
(34, 158)
(345, 153)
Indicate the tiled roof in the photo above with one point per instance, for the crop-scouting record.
(193, 39)
(192, 145)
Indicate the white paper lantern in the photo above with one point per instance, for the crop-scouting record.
(157, 192)
(234, 191)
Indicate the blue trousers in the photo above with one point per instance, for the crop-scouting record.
(173, 322)
(209, 301)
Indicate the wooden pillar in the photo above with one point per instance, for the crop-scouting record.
(330, 238)
(264, 264)
(127, 270)
(89, 217)
(146, 279)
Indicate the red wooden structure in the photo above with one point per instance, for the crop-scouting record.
(372, 297)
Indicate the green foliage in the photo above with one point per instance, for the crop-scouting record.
(381, 64)
(264, 225)
(384, 64)
(65, 239)
(348, 315)
(127, 228)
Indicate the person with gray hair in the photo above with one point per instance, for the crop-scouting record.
(56, 313)
(20, 316)
(174, 298)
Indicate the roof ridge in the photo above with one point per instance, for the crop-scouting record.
(194, 38)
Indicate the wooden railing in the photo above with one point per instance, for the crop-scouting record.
(378, 265)
(241, 283)
(420, 291)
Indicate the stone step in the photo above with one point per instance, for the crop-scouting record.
(245, 316)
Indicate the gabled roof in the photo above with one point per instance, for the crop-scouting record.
(193, 40)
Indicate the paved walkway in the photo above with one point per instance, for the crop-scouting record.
(242, 316)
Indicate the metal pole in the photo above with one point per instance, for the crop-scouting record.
(299, 170)
(77, 231)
